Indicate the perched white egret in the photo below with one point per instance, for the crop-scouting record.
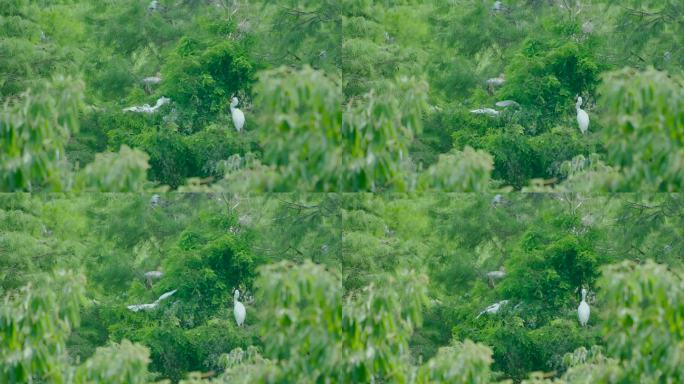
(582, 116)
(154, 5)
(583, 309)
(495, 275)
(485, 111)
(493, 309)
(238, 309)
(152, 275)
(150, 81)
(238, 116)
(495, 82)
(145, 108)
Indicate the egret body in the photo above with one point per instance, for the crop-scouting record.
(238, 116)
(582, 116)
(238, 309)
(583, 309)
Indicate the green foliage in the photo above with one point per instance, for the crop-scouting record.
(645, 128)
(464, 362)
(34, 129)
(201, 76)
(125, 171)
(644, 305)
(466, 171)
(35, 325)
(116, 363)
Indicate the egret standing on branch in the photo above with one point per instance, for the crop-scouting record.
(583, 309)
(582, 116)
(238, 309)
(238, 116)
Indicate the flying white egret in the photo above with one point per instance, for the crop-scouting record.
(238, 309)
(165, 295)
(583, 309)
(145, 108)
(485, 111)
(238, 116)
(493, 309)
(145, 307)
(582, 116)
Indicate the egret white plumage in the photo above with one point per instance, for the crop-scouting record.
(485, 111)
(145, 108)
(507, 103)
(583, 309)
(582, 116)
(150, 81)
(495, 82)
(494, 308)
(145, 307)
(492, 276)
(238, 116)
(238, 309)
(152, 275)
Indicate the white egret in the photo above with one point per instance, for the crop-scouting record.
(145, 108)
(152, 275)
(165, 295)
(583, 309)
(507, 103)
(154, 201)
(582, 116)
(485, 111)
(493, 309)
(496, 275)
(141, 307)
(145, 307)
(154, 5)
(497, 199)
(238, 309)
(238, 116)
(150, 81)
(495, 82)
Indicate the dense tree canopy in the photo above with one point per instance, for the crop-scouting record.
(355, 287)
(341, 191)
